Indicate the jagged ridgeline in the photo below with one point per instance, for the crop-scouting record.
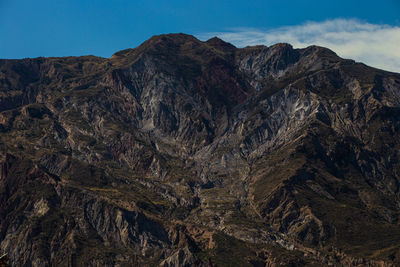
(188, 153)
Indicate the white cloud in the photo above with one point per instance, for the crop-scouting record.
(376, 45)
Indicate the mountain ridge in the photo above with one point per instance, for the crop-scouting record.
(182, 153)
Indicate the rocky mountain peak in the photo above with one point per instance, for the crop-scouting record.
(221, 44)
(188, 153)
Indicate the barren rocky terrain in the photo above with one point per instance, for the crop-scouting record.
(188, 153)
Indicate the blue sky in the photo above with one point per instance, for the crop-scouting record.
(32, 28)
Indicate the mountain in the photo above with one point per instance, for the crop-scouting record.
(188, 153)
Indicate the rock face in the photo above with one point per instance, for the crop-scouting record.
(188, 153)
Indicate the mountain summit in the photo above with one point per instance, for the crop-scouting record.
(188, 153)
